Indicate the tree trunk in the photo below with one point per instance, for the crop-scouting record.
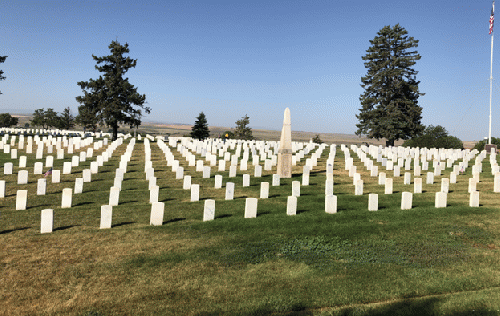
(115, 132)
(389, 142)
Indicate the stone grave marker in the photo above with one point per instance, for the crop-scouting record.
(86, 175)
(67, 195)
(381, 178)
(373, 202)
(46, 221)
(329, 187)
(276, 180)
(406, 200)
(229, 190)
(218, 181)
(246, 180)
(441, 198)
(106, 216)
(251, 208)
(195, 192)
(186, 183)
(153, 194)
(264, 190)
(296, 188)
(209, 210)
(258, 171)
(56, 176)
(417, 185)
(7, 168)
(67, 167)
(388, 186)
(22, 177)
(157, 212)
(291, 205)
(21, 200)
(358, 189)
(445, 185)
(179, 173)
(152, 182)
(2, 189)
(474, 199)
(38, 169)
(331, 204)
(206, 172)
(41, 186)
(472, 185)
(78, 186)
(114, 196)
(22, 162)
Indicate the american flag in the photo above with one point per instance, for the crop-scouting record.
(48, 173)
(492, 17)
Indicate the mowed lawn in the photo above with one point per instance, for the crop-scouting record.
(423, 261)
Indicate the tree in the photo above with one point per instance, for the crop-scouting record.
(242, 131)
(390, 107)
(51, 118)
(317, 139)
(39, 118)
(480, 145)
(434, 137)
(112, 99)
(200, 128)
(2, 60)
(66, 119)
(87, 117)
(7, 120)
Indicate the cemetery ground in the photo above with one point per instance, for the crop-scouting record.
(419, 261)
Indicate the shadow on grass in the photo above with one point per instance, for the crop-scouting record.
(122, 224)
(224, 215)
(13, 230)
(301, 211)
(83, 203)
(64, 227)
(173, 220)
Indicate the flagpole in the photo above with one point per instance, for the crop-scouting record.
(491, 82)
(492, 21)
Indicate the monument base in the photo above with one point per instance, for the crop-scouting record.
(285, 165)
(489, 147)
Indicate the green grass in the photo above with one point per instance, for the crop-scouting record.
(423, 261)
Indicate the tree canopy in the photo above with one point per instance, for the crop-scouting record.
(111, 99)
(242, 131)
(7, 120)
(435, 137)
(390, 107)
(200, 129)
(2, 60)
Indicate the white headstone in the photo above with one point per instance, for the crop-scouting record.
(251, 208)
(2, 189)
(67, 167)
(67, 195)
(78, 186)
(47, 221)
(246, 180)
(496, 183)
(75, 161)
(22, 177)
(232, 171)
(209, 210)
(258, 171)
(38, 169)
(195, 192)
(406, 200)
(86, 174)
(291, 205)
(56, 176)
(388, 185)
(276, 180)
(407, 179)
(218, 181)
(358, 189)
(430, 178)
(417, 185)
(453, 177)
(296, 188)
(114, 196)
(106, 216)
(22, 162)
(152, 182)
(474, 199)
(264, 190)
(222, 165)
(179, 173)
(229, 190)
(441, 198)
(331, 204)
(49, 161)
(153, 194)
(21, 200)
(381, 178)
(206, 172)
(445, 185)
(329, 187)
(41, 186)
(186, 183)
(157, 212)
(94, 167)
(373, 202)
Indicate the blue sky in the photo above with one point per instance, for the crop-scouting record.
(231, 58)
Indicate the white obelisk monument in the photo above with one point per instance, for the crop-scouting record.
(285, 151)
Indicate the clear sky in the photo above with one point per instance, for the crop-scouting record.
(231, 58)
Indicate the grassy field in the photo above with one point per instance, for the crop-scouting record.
(423, 261)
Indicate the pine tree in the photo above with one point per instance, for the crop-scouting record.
(242, 131)
(39, 118)
(66, 119)
(2, 60)
(111, 98)
(200, 128)
(390, 107)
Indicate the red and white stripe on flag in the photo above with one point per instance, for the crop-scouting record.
(492, 17)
